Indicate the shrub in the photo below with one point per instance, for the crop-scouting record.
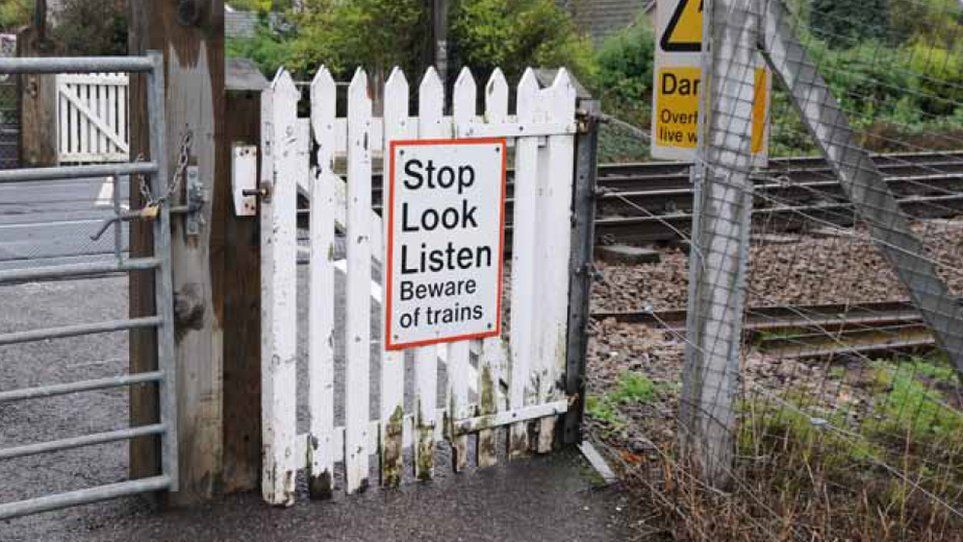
(515, 34)
(14, 14)
(376, 34)
(92, 27)
(267, 48)
(625, 62)
(841, 23)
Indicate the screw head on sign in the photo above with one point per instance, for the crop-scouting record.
(489, 325)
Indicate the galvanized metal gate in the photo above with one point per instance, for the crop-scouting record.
(152, 66)
(522, 381)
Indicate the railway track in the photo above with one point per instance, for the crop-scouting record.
(813, 330)
(652, 201)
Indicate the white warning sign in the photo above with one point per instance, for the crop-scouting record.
(446, 224)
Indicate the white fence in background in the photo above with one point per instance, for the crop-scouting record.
(92, 118)
(512, 382)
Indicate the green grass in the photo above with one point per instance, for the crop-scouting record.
(631, 388)
(907, 404)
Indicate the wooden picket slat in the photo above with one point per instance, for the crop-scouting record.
(491, 358)
(102, 113)
(321, 291)
(523, 289)
(392, 362)
(279, 288)
(358, 304)
(92, 118)
(431, 102)
(463, 113)
(554, 235)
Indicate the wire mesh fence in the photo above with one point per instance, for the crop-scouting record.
(812, 310)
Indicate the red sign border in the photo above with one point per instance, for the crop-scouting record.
(389, 247)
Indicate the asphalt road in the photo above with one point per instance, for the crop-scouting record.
(50, 222)
(545, 498)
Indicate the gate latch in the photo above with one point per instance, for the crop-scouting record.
(196, 198)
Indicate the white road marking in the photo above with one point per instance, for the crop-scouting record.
(105, 197)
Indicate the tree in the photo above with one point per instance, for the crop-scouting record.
(845, 23)
(515, 34)
(14, 14)
(92, 27)
(376, 34)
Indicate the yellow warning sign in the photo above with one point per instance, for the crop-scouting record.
(676, 86)
(677, 108)
(684, 31)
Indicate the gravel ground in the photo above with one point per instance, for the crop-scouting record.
(808, 270)
(784, 270)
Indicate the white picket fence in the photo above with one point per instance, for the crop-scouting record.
(491, 384)
(92, 118)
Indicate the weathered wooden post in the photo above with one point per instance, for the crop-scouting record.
(37, 95)
(190, 34)
(241, 287)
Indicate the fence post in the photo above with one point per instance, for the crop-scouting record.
(192, 41)
(720, 239)
(241, 289)
(581, 275)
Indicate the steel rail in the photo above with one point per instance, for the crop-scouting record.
(785, 316)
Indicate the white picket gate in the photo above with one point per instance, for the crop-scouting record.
(92, 118)
(514, 383)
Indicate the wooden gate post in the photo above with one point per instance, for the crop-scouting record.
(190, 34)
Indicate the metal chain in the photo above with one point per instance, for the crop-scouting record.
(187, 141)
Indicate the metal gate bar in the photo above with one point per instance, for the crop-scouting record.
(79, 442)
(54, 390)
(78, 270)
(57, 173)
(153, 67)
(84, 496)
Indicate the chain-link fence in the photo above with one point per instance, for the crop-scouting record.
(812, 310)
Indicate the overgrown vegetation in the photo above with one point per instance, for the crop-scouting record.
(515, 34)
(888, 467)
(92, 27)
(379, 34)
(14, 14)
(896, 66)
